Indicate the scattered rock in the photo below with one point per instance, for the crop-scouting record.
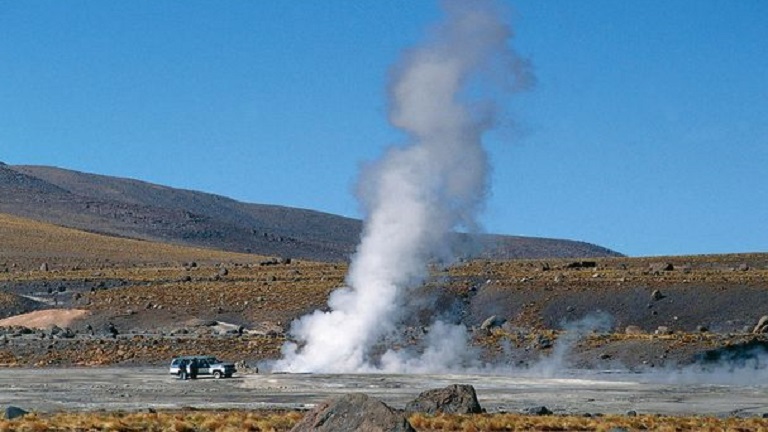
(454, 399)
(543, 342)
(537, 410)
(244, 368)
(492, 322)
(353, 412)
(657, 268)
(223, 271)
(633, 330)
(581, 264)
(702, 328)
(198, 322)
(656, 295)
(663, 330)
(632, 413)
(44, 267)
(13, 412)
(743, 267)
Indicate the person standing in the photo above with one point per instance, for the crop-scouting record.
(183, 374)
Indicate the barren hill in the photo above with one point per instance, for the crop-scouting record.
(27, 245)
(136, 209)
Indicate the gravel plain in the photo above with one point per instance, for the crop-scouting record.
(132, 389)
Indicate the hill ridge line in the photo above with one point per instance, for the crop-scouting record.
(135, 208)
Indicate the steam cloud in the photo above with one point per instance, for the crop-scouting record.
(414, 196)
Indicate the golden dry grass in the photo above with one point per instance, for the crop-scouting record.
(240, 420)
(517, 422)
(27, 244)
(171, 421)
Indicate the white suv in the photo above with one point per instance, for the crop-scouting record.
(206, 365)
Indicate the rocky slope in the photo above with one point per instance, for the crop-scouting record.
(170, 300)
(135, 209)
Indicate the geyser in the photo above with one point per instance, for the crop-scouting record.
(415, 195)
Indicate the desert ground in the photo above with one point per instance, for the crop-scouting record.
(89, 322)
(569, 393)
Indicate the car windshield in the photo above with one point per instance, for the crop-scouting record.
(206, 359)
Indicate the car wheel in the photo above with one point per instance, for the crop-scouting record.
(216, 374)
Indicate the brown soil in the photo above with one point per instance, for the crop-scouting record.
(165, 301)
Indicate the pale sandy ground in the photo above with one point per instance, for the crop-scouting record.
(44, 319)
(86, 389)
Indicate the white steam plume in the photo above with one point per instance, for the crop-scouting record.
(415, 195)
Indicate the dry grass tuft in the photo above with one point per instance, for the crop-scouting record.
(517, 422)
(170, 421)
(278, 421)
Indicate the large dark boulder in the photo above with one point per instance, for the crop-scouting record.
(12, 412)
(454, 399)
(353, 412)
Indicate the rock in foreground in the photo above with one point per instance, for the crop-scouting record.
(454, 399)
(353, 412)
(13, 412)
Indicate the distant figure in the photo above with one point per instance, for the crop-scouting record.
(193, 368)
(183, 370)
(112, 330)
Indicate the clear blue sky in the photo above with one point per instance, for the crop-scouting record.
(647, 131)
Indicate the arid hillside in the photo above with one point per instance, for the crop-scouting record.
(104, 300)
(135, 209)
(29, 245)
